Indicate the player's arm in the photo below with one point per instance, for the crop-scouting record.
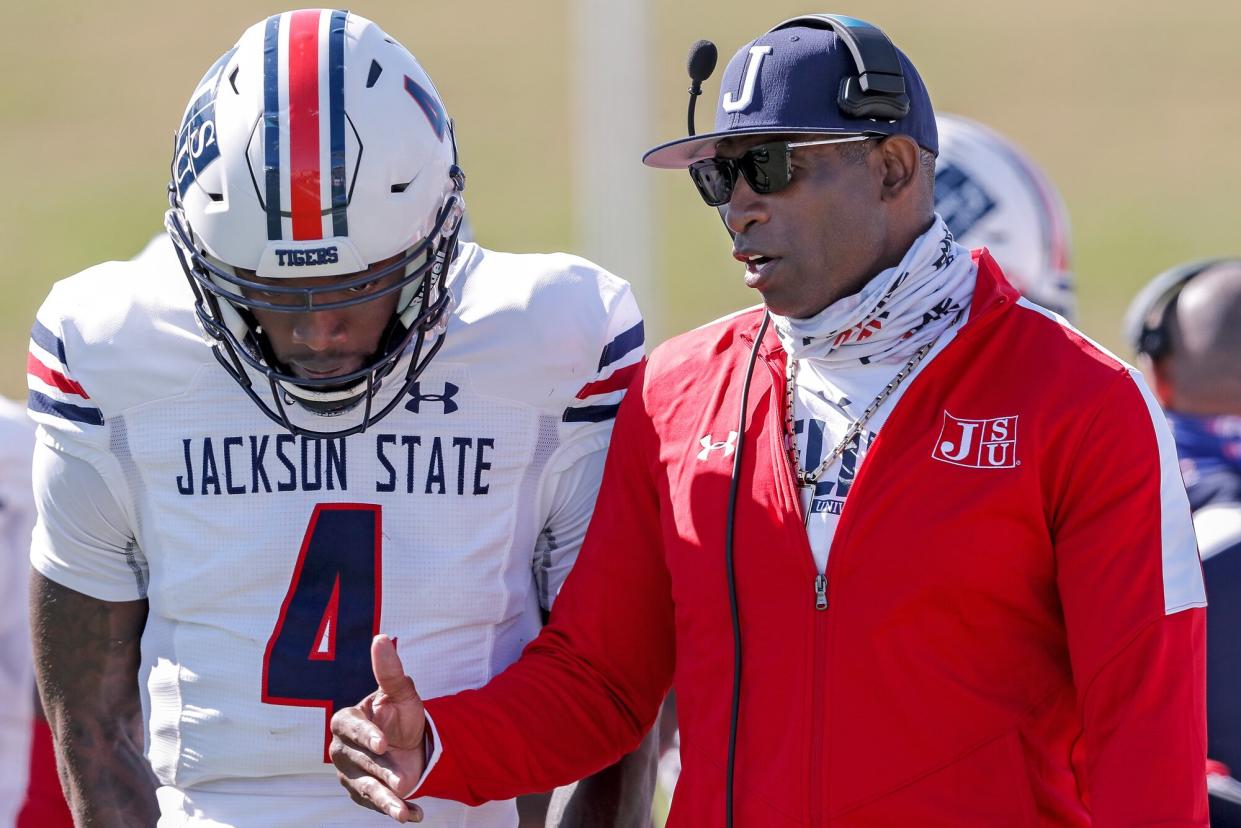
(1131, 588)
(87, 611)
(86, 661)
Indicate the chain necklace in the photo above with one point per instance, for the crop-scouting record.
(810, 478)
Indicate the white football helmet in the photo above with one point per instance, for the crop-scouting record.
(992, 195)
(316, 146)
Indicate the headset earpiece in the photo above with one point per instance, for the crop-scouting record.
(1146, 322)
(877, 91)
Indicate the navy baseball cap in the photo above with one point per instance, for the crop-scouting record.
(788, 81)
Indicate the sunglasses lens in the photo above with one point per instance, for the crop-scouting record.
(714, 178)
(766, 167)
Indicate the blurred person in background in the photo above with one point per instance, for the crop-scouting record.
(17, 515)
(30, 795)
(933, 541)
(310, 414)
(1185, 327)
(992, 195)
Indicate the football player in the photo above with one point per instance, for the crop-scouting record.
(992, 195)
(343, 421)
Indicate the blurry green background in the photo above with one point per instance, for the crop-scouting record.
(1136, 116)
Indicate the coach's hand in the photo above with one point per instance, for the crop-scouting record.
(378, 747)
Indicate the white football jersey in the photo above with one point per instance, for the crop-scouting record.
(269, 561)
(16, 667)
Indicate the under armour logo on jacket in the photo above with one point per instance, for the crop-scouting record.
(417, 397)
(729, 445)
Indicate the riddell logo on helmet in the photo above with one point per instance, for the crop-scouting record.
(307, 258)
(978, 444)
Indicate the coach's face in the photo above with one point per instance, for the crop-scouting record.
(829, 231)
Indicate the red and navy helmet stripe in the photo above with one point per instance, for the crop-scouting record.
(304, 157)
(336, 107)
(303, 80)
(271, 126)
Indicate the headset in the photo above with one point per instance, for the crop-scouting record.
(877, 91)
(1147, 320)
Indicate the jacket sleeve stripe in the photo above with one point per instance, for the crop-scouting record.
(1182, 569)
(40, 403)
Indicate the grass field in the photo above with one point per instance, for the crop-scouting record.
(1136, 116)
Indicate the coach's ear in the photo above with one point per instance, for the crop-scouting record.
(896, 160)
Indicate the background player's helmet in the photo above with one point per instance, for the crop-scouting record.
(992, 195)
(315, 147)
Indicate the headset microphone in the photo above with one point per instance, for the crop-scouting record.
(701, 63)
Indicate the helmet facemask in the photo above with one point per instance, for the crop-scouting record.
(415, 331)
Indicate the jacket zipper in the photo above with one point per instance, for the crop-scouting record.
(819, 619)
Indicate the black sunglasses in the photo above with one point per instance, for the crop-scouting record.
(767, 168)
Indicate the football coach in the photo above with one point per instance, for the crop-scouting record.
(912, 551)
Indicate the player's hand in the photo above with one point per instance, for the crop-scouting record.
(378, 747)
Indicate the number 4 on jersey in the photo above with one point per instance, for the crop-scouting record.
(319, 652)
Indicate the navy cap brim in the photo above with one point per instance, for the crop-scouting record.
(679, 154)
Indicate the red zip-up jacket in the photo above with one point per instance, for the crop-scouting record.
(1013, 632)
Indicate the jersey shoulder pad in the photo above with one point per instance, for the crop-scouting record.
(569, 333)
(116, 335)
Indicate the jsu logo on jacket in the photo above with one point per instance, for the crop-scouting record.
(982, 444)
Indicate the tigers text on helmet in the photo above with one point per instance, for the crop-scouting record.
(992, 195)
(317, 147)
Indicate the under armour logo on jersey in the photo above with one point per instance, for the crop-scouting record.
(733, 104)
(978, 444)
(729, 445)
(417, 397)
